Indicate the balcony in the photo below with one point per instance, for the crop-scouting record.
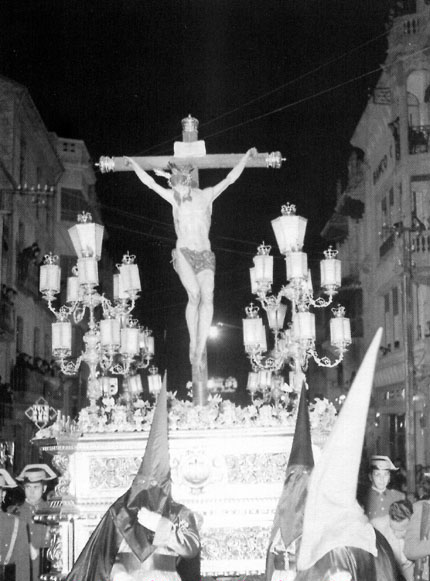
(418, 139)
(421, 256)
(406, 29)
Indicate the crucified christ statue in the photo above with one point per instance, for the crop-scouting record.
(193, 258)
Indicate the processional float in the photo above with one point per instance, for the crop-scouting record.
(228, 463)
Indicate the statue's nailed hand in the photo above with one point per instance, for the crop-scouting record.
(252, 152)
(128, 160)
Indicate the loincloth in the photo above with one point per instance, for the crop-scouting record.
(199, 260)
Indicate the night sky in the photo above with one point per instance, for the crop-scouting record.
(277, 75)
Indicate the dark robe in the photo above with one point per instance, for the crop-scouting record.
(97, 558)
(362, 566)
(20, 557)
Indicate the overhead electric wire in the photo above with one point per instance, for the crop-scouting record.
(294, 103)
(153, 221)
(276, 89)
(309, 97)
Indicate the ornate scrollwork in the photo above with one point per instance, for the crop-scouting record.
(55, 554)
(256, 468)
(195, 469)
(235, 543)
(61, 463)
(112, 472)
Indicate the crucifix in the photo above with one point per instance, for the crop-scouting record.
(193, 258)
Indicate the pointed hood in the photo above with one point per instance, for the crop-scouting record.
(333, 518)
(151, 487)
(301, 449)
(154, 472)
(288, 517)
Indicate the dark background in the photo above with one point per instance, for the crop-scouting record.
(277, 75)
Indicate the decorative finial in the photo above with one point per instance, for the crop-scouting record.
(252, 311)
(330, 252)
(128, 258)
(275, 159)
(50, 259)
(338, 311)
(190, 124)
(264, 249)
(106, 164)
(84, 218)
(288, 209)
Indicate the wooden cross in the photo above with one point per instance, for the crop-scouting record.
(192, 152)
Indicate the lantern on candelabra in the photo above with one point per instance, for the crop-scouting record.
(295, 344)
(115, 345)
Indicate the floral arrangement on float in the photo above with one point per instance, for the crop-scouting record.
(111, 415)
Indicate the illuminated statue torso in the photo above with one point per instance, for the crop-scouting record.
(192, 219)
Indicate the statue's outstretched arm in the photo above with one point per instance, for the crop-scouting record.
(234, 173)
(146, 179)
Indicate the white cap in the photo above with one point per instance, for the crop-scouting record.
(36, 473)
(381, 463)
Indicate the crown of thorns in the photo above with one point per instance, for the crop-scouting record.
(177, 173)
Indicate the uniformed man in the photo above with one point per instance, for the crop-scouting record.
(14, 550)
(34, 478)
(379, 498)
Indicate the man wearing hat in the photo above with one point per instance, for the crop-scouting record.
(14, 552)
(34, 478)
(379, 497)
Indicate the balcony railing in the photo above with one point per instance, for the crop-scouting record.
(406, 27)
(421, 256)
(419, 138)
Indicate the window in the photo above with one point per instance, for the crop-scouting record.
(397, 435)
(421, 201)
(387, 219)
(72, 203)
(413, 110)
(36, 342)
(19, 334)
(392, 320)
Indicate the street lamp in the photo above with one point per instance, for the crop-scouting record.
(294, 345)
(117, 344)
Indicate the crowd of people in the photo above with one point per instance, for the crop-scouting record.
(403, 519)
(320, 532)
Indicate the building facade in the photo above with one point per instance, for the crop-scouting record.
(381, 225)
(45, 182)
